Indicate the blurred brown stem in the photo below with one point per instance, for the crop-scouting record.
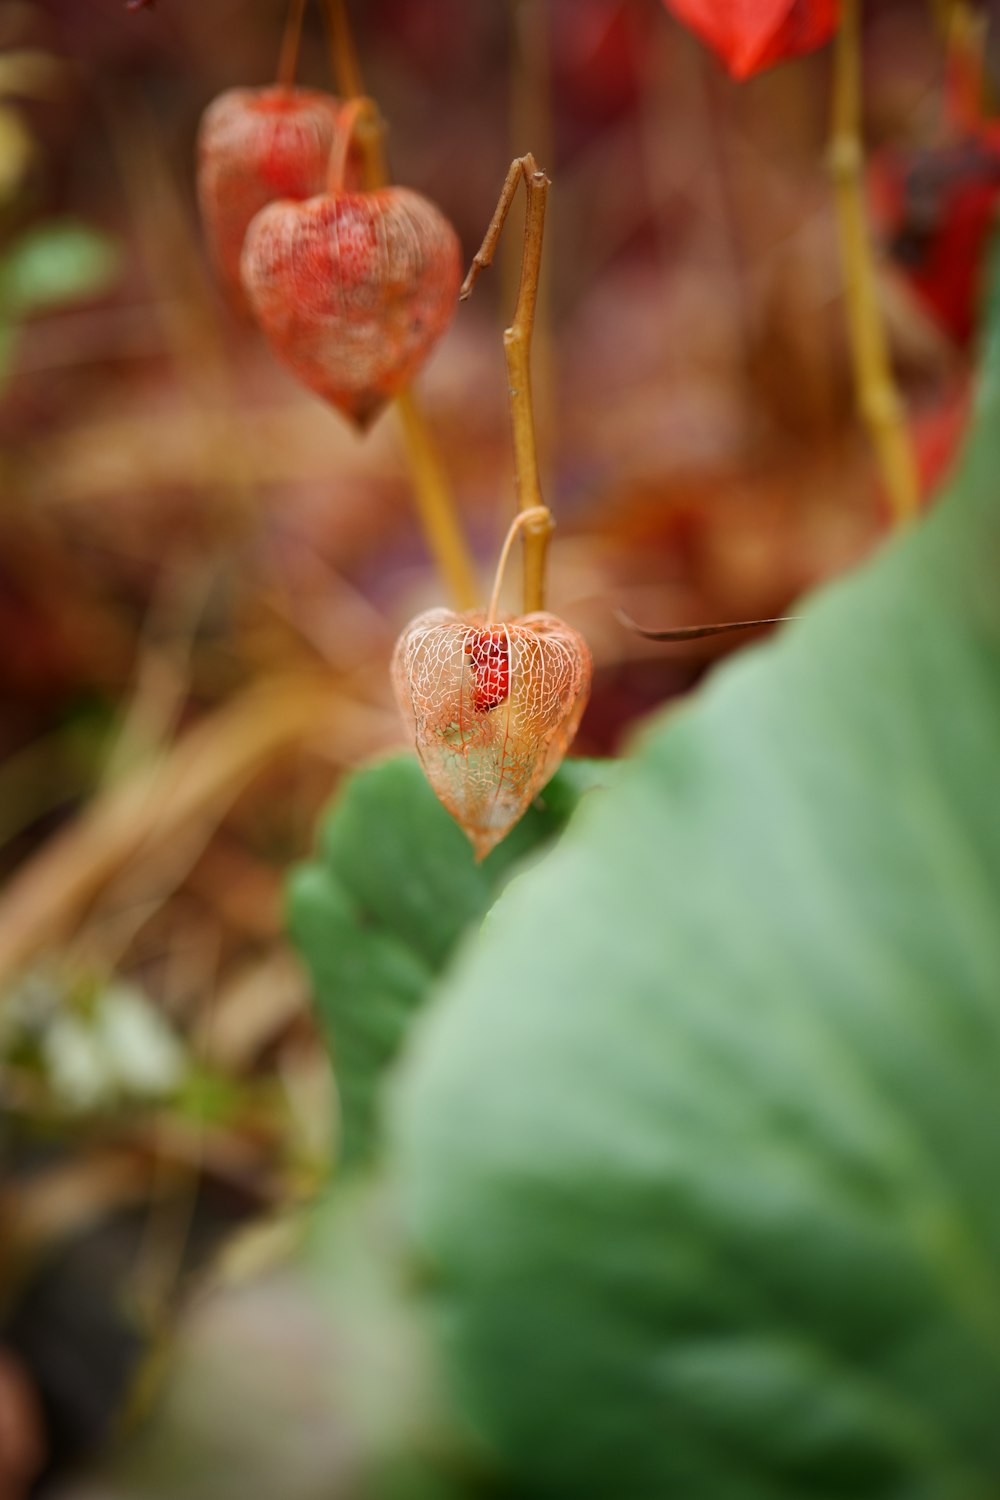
(288, 57)
(878, 398)
(343, 54)
(435, 502)
(434, 505)
(517, 348)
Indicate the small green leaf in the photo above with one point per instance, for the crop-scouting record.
(377, 917)
(58, 262)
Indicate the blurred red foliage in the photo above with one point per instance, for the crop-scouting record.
(937, 207)
(750, 35)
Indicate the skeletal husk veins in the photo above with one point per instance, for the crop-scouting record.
(353, 290)
(493, 707)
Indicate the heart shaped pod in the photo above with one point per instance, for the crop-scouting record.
(255, 145)
(492, 708)
(353, 290)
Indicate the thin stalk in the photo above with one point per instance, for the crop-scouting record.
(517, 347)
(434, 506)
(522, 519)
(370, 131)
(878, 398)
(359, 114)
(530, 114)
(288, 57)
(343, 54)
(434, 500)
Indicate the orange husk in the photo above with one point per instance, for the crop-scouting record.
(486, 764)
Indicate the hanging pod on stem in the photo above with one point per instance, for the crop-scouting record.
(493, 703)
(256, 145)
(492, 707)
(352, 289)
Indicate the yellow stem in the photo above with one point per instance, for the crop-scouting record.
(437, 516)
(530, 115)
(435, 503)
(878, 398)
(517, 347)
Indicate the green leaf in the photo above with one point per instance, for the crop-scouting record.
(377, 917)
(58, 262)
(700, 1150)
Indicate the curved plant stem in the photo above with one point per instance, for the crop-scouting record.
(360, 116)
(517, 348)
(539, 514)
(878, 397)
(288, 57)
(435, 503)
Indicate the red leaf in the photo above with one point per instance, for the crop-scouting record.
(752, 34)
(936, 208)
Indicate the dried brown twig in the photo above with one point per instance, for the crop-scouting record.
(517, 347)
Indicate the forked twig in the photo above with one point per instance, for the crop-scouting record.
(517, 349)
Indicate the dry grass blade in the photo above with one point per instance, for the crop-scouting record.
(197, 779)
(67, 1199)
(251, 1010)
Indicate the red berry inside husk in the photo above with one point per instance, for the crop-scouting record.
(255, 145)
(489, 658)
(353, 290)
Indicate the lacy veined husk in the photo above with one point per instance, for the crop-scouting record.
(486, 763)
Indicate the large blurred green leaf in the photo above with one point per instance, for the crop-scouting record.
(700, 1150)
(377, 916)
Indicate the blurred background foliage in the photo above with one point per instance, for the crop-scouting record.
(202, 570)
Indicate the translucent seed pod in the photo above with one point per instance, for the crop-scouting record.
(255, 145)
(353, 290)
(492, 708)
